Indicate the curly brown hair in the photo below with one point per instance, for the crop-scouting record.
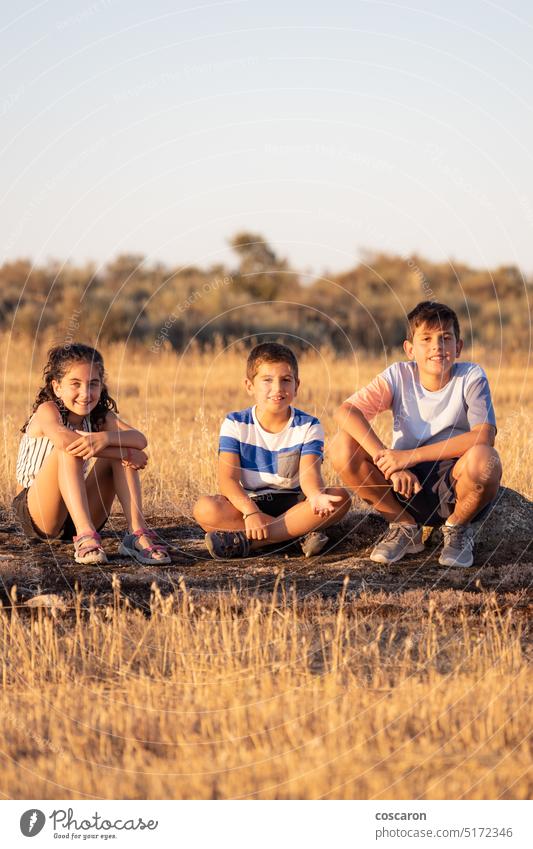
(60, 359)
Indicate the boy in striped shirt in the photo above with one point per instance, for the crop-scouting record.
(269, 467)
(442, 467)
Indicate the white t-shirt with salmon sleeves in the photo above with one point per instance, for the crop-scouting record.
(422, 417)
(270, 462)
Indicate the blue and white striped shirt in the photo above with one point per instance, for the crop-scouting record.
(270, 462)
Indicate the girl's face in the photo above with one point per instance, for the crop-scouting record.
(79, 388)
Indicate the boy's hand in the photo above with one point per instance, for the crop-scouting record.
(388, 461)
(88, 444)
(322, 504)
(257, 525)
(405, 483)
(137, 459)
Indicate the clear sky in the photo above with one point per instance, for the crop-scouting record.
(165, 127)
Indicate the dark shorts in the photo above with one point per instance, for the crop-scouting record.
(20, 507)
(436, 501)
(276, 503)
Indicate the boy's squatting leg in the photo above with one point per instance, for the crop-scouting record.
(358, 471)
(477, 477)
(216, 513)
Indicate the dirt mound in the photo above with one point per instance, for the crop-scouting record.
(504, 561)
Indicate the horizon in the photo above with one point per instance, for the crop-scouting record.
(368, 124)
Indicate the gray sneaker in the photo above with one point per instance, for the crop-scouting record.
(227, 544)
(313, 543)
(400, 539)
(458, 547)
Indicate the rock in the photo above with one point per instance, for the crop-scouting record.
(505, 535)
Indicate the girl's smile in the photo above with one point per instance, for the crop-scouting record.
(80, 388)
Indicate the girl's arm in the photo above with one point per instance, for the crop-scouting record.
(115, 441)
(122, 434)
(47, 422)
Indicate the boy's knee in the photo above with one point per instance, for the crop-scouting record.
(207, 508)
(484, 466)
(345, 452)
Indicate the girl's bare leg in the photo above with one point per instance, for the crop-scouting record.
(127, 485)
(58, 488)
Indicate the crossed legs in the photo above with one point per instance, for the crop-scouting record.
(216, 513)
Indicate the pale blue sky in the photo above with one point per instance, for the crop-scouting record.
(165, 127)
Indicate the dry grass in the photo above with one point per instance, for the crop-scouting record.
(231, 695)
(242, 697)
(180, 401)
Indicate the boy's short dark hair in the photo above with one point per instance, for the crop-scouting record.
(433, 315)
(270, 352)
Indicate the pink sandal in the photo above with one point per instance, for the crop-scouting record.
(88, 548)
(130, 547)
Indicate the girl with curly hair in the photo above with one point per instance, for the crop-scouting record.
(74, 420)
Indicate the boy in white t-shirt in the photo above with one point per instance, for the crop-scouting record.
(269, 467)
(442, 466)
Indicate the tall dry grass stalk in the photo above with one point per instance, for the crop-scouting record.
(233, 696)
(179, 402)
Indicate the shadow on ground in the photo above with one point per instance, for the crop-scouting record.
(504, 562)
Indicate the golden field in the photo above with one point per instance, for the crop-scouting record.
(236, 694)
(179, 401)
(247, 698)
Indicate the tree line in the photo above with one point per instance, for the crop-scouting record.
(259, 295)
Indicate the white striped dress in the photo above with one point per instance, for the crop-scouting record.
(33, 451)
